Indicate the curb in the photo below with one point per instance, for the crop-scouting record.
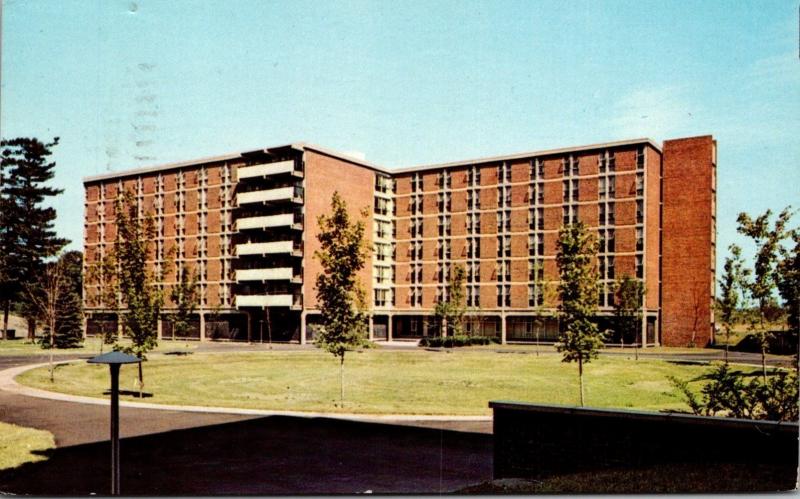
(8, 384)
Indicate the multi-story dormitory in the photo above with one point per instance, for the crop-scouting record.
(247, 224)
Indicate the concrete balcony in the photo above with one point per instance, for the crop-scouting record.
(279, 274)
(269, 169)
(285, 220)
(279, 195)
(271, 248)
(261, 301)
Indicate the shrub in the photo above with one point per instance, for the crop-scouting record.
(454, 341)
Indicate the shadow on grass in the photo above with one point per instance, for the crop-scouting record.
(267, 456)
(179, 354)
(131, 393)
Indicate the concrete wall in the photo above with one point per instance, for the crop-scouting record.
(535, 441)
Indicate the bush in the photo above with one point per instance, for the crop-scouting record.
(454, 341)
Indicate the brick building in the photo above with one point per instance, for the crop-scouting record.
(246, 223)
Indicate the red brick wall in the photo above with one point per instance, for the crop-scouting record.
(687, 278)
(325, 175)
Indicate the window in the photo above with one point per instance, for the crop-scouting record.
(575, 190)
(639, 266)
(610, 219)
(507, 245)
(601, 186)
(540, 218)
(639, 211)
(610, 268)
(639, 239)
(640, 158)
(540, 193)
(565, 190)
(640, 184)
(381, 206)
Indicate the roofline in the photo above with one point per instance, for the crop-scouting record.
(546, 152)
(298, 146)
(303, 146)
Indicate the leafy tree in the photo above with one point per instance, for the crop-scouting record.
(726, 394)
(789, 282)
(341, 298)
(185, 298)
(44, 295)
(104, 291)
(27, 237)
(762, 285)
(139, 294)
(629, 295)
(450, 312)
(578, 290)
(730, 285)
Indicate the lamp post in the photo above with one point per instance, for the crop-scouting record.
(114, 361)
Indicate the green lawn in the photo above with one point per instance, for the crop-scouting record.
(90, 346)
(19, 445)
(376, 381)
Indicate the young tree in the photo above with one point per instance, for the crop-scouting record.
(450, 312)
(578, 290)
(104, 292)
(789, 283)
(27, 237)
(762, 285)
(139, 294)
(185, 298)
(628, 299)
(730, 285)
(44, 294)
(341, 298)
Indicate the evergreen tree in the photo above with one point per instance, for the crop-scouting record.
(69, 322)
(789, 283)
(578, 291)
(27, 237)
(339, 293)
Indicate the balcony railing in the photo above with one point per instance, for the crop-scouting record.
(279, 274)
(271, 248)
(295, 302)
(284, 220)
(265, 170)
(281, 194)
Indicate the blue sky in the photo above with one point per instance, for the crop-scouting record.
(133, 83)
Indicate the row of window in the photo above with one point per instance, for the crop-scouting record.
(570, 166)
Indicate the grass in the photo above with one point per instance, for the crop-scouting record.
(90, 346)
(20, 445)
(378, 381)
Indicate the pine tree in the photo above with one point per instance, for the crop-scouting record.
(578, 291)
(339, 293)
(27, 237)
(69, 323)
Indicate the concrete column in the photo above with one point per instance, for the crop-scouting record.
(389, 328)
(249, 327)
(160, 329)
(85, 324)
(303, 317)
(202, 326)
(503, 329)
(371, 333)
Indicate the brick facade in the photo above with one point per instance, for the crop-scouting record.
(654, 210)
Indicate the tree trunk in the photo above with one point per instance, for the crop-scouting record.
(580, 377)
(727, 341)
(341, 381)
(6, 310)
(31, 329)
(764, 362)
(52, 345)
(141, 378)
(636, 345)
